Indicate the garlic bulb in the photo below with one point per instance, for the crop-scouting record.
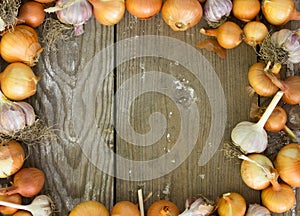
(199, 207)
(15, 116)
(75, 14)
(257, 210)
(216, 11)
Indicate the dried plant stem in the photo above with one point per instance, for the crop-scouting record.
(8, 13)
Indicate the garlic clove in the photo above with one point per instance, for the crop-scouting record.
(28, 111)
(199, 207)
(12, 118)
(257, 210)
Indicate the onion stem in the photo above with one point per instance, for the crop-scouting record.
(289, 132)
(264, 118)
(141, 202)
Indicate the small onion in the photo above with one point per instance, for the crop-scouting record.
(279, 12)
(12, 157)
(288, 164)
(18, 81)
(32, 13)
(245, 10)
(232, 204)
(255, 32)
(21, 45)
(143, 9)
(125, 208)
(229, 34)
(45, 1)
(89, 208)
(22, 213)
(162, 208)
(181, 15)
(108, 12)
(16, 198)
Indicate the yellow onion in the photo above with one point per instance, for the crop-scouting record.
(22, 213)
(232, 204)
(255, 32)
(21, 45)
(16, 198)
(18, 81)
(245, 10)
(181, 15)
(90, 207)
(143, 9)
(279, 12)
(288, 164)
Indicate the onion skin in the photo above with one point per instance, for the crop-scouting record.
(89, 208)
(279, 12)
(245, 10)
(163, 208)
(108, 12)
(16, 198)
(261, 84)
(143, 9)
(12, 158)
(181, 15)
(288, 164)
(32, 13)
(278, 198)
(125, 208)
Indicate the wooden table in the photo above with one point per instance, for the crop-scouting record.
(85, 100)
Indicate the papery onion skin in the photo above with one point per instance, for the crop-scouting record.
(288, 164)
(32, 13)
(12, 157)
(278, 199)
(232, 204)
(125, 208)
(18, 81)
(279, 12)
(163, 208)
(245, 10)
(255, 32)
(21, 45)
(89, 207)
(181, 15)
(261, 84)
(143, 9)
(16, 198)
(252, 175)
(108, 12)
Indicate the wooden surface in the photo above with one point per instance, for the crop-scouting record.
(81, 99)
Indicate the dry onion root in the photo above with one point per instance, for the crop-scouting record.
(8, 13)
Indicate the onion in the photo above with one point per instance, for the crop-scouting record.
(259, 81)
(21, 45)
(125, 208)
(279, 12)
(18, 81)
(143, 9)
(45, 1)
(12, 158)
(28, 182)
(32, 13)
(89, 208)
(16, 198)
(245, 10)
(288, 164)
(22, 213)
(181, 15)
(255, 32)
(108, 12)
(232, 204)
(229, 34)
(163, 208)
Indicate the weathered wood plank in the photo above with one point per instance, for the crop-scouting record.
(189, 179)
(71, 98)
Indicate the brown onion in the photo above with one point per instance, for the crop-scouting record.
(181, 15)
(21, 45)
(27, 182)
(125, 208)
(18, 81)
(245, 10)
(229, 34)
(163, 208)
(232, 204)
(279, 12)
(258, 80)
(32, 13)
(12, 158)
(108, 12)
(45, 1)
(143, 9)
(89, 208)
(288, 164)
(16, 198)
(255, 32)
(22, 213)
